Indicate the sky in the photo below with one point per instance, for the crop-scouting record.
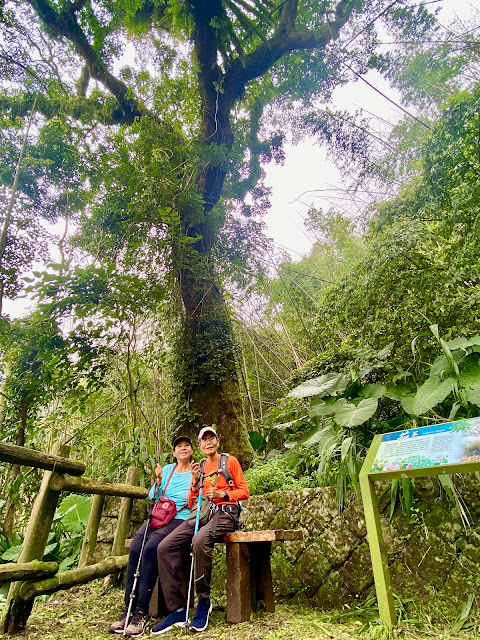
(307, 177)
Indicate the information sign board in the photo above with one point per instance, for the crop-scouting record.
(441, 449)
(432, 446)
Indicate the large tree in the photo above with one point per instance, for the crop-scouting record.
(191, 122)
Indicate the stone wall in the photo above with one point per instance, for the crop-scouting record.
(433, 557)
(108, 524)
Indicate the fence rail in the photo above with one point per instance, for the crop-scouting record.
(30, 576)
(30, 458)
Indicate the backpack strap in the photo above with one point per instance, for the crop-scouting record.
(224, 470)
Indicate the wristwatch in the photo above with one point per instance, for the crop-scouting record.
(226, 497)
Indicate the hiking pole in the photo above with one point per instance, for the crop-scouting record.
(197, 522)
(136, 575)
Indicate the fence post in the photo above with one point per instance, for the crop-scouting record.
(91, 532)
(124, 520)
(16, 611)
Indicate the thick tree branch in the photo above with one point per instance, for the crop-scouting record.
(77, 107)
(64, 25)
(285, 40)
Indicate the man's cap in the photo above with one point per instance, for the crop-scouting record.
(181, 439)
(207, 430)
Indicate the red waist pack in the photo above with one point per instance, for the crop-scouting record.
(164, 509)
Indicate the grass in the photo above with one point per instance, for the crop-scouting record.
(86, 613)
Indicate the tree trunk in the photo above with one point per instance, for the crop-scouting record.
(207, 351)
(209, 373)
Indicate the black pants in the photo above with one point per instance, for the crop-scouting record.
(170, 553)
(148, 565)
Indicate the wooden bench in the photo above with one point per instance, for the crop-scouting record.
(249, 573)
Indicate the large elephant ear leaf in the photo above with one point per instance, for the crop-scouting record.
(74, 511)
(473, 395)
(351, 415)
(470, 372)
(329, 383)
(431, 393)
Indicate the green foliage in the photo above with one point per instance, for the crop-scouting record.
(276, 474)
(65, 539)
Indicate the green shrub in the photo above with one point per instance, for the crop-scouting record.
(276, 474)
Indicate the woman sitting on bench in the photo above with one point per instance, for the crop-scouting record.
(173, 482)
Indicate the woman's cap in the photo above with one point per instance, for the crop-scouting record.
(179, 439)
(207, 430)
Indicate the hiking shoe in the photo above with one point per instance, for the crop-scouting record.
(175, 618)
(137, 625)
(202, 613)
(119, 625)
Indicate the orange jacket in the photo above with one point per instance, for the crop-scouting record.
(240, 492)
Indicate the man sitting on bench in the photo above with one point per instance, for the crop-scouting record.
(225, 486)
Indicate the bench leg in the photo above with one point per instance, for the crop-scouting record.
(261, 567)
(239, 600)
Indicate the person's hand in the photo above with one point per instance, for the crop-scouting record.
(214, 493)
(195, 473)
(158, 474)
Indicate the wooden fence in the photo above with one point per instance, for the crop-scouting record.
(30, 576)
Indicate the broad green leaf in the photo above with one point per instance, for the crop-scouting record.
(51, 549)
(434, 329)
(440, 365)
(257, 440)
(473, 395)
(463, 343)
(324, 409)
(329, 383)
(350, 415)
(398, 392)
(454, 410)
(393, 496)
(345, 447)
(383, 353)
(75, 510)
(12, 554)
(470, 373)
(431, 393)
(464, 613)
(314, 435)
(408, 403)
(373, 391)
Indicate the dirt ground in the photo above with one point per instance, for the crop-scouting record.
(86, 613)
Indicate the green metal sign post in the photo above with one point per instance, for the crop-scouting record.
(441, 449)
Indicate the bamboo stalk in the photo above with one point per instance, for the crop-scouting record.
(265, 360)
(245, 381)
(259, 388)
(298, 361)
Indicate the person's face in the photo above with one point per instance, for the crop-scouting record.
(209, 444)
(183, 451)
